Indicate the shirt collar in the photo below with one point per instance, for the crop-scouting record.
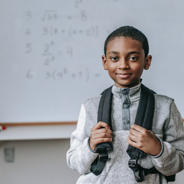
(134, 93)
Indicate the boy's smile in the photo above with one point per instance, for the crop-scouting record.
(125, 61)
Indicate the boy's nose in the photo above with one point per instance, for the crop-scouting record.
(123, 64)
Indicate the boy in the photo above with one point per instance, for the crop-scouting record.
(125, 56)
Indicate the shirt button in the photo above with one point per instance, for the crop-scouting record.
(125, 92)
(125, 106)
(126, 121)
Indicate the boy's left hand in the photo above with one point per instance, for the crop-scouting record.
(144, 140)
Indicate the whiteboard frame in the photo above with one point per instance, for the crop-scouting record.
(37, 130)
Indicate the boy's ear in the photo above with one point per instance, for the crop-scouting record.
(147, 62)
(104, 61)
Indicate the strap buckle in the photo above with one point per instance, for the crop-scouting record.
(133, 164)
(103, 157)
(138, 171)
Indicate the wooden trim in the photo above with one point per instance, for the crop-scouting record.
(38, 123)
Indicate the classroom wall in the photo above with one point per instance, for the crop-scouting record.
(37, 162)
(41, 162)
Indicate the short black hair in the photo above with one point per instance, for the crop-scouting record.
(130, 32)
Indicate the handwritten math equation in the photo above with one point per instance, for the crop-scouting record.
(51, 33)
(65, 73)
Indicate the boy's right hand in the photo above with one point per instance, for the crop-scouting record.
(100, 133)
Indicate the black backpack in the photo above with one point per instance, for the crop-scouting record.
(144, 119)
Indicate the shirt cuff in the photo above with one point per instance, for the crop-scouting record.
(89, 146)
(162, 150)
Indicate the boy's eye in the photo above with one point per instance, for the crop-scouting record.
(114, 58)
(133, 58)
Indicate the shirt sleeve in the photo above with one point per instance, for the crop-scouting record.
(79, 156)
(171, 161)
(162, 148)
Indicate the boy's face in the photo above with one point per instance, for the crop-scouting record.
(125, 61)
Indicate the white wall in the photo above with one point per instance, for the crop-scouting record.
(41, 162)
(180, 178)
(37, 162)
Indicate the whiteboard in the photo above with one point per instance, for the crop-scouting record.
(50, 53)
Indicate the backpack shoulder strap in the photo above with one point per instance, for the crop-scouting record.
(144, 118)
(104, 114)
(104, 109)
